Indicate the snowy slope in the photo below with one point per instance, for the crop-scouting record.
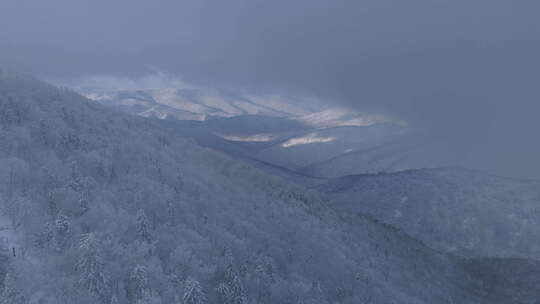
(319, 145)
(301, 136)
(160, 216)
(202, 104)
(339, 117)
(453, 210)
(193, 104)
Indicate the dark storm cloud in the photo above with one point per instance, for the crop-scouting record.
(467, 70)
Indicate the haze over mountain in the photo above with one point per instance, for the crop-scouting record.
(155, 207)
(308, 137)
(465, 212)
(253, 151)
(466, 72)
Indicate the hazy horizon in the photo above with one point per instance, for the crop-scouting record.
(465, 71)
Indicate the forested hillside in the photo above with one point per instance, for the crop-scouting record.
(103, 207)
(467, 212)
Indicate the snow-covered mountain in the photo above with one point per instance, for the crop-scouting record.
(453, 210)
(311, 139)
(303, 137)
(196, 104)
(315, 146)
(200, 104)
(107, 207)
(340, 117)
(273, 132)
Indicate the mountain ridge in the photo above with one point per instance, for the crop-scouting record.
(453, 209)
(118, 207)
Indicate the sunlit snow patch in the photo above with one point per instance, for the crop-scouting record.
(249, 138)
(311, 138)
(338, 117)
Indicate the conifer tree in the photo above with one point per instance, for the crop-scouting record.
(61, 232)
(138, 283)
(171, 213)
(149, 297)
(231, 290)
(92, 272)
(143, 226)
(114, 300)
(193, 293)
(10, 293)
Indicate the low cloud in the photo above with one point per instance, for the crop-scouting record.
(154, 80)
(465, 70)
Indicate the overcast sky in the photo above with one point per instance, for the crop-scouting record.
(468, 70)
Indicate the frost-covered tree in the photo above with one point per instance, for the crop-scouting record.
(171, 213)
(137, 287)
(10, 293)
(77, 182)
(149, 297)
(45, 236)
(61, 232)
(114, 300)
(263, 278)
(193, 292)
(231, 290)
(84, 200)
(93, 275)
(143, 226)
(224, 292)
(52, 208)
